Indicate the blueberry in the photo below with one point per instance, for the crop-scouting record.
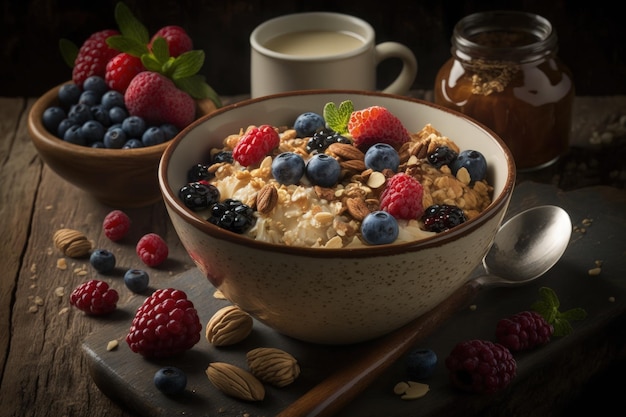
(92, 131)
(69, 94)
(114, 138)
(63, 126)
(99, 144)
(132, 144)
(52, 117)
(170, 380)
(136, 280)
(112, 98)
(80, 113)
(379, 228)
(222, 156)
(96, 84)
(323, 170)
(288, 168)
(307, 124)
(382, 156)
(134, 126)
(169, 130)
(88, 97)
(102, 260)
(101, 114)
(117, 114)
(420, 363)
(73, 135)
(473, 161)
(153, 136)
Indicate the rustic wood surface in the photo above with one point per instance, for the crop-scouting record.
(43, 370)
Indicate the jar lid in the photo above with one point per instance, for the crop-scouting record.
(515, 35)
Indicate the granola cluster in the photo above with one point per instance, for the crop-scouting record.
(312, 216)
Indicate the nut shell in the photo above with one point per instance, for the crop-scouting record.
(273, 366)
(72, 243)
(229, 325)
(236, 382)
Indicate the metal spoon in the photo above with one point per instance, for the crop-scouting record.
(525, 247)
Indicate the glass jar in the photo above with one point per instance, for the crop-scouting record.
(504, 72)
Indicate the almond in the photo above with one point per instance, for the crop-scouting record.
(273, 366)
(234, 381)
(357, 165)
(72, 243)
(229, 325)
(346, 151)
(266, 199)
(357, 208)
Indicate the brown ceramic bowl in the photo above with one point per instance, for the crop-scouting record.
(121, 178)
(334, 296)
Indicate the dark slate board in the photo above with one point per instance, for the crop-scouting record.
(545, 377)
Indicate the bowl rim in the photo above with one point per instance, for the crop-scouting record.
(41, 136)
(173, 203)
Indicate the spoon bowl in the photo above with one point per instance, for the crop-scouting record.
(527, 246)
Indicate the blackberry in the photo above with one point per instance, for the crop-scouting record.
(481, 366)
(441, 217)
(222, 156)
(199, 195)
(232, 215)
(199, 172)
(323, 138)
(442, 155)
(523, 331)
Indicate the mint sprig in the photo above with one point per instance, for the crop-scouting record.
(337, 118)
(548, 306)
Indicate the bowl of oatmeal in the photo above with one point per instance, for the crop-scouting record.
(352, 258)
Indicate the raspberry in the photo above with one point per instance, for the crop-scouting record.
(481, 366)
(94, 297)
(152, 249)
(402, 197)
(93, 56)
(255, 144)
(177, 39)
(374, 125)
(116, 225)
(120, 71)
(523, 331)
(166, 324)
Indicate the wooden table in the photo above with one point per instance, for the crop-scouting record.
(42, 368)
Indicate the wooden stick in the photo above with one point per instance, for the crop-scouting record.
(336, 391)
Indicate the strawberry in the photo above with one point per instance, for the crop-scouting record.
(93, 56)
(120, 71)
(255, 144)
(374, 125)
(402, 197)
(177, 39)
(157, 100)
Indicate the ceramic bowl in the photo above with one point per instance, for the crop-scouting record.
(334, 296)
(120, 178)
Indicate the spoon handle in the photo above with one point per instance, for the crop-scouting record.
(336, 391)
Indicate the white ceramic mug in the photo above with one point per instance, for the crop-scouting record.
(318, 50)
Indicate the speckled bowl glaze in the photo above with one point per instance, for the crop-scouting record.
(120, 178)
(334, 296)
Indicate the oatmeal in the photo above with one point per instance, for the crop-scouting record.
(308, 215)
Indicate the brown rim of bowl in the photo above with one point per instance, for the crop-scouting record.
(40, 133)
(170, 197)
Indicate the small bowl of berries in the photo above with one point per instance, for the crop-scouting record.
(105, 130)
(336, 217)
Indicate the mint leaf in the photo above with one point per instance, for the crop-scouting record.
(150, 62)
(187, 64)
(197, 88)
(69, 51)
(548, 306)
(337, 118)
(129, 26)
(128, 45)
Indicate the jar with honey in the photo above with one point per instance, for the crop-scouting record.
(504, 72)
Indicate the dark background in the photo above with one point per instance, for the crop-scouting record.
(592, 35)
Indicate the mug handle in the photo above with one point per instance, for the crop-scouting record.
(402, 84)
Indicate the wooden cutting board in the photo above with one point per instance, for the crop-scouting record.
(546, 377)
